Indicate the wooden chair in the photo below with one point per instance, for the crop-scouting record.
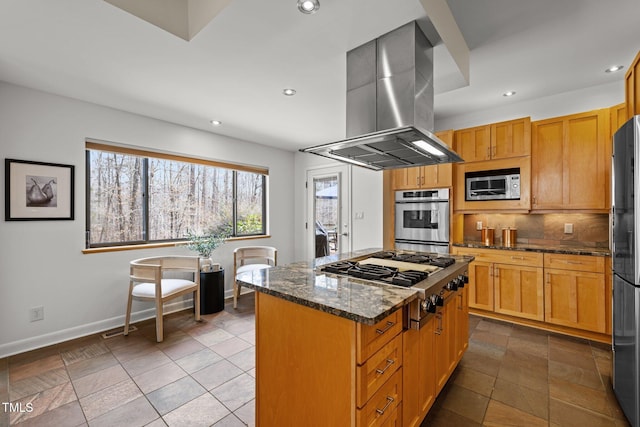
(146, 282)
(249, 258)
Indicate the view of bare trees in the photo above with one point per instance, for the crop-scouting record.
(181, 196)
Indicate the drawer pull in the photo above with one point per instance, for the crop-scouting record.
(573, 262)
(386, 328)
(389, 363)
(518, 257)
(389, 402)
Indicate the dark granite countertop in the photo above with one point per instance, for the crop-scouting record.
(569, 250)
(359, 300)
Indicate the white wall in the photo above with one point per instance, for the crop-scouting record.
(366, 197)
(562, 104)
(41, 262)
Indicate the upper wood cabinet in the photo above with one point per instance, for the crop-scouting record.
(632, 88)
(617, 117)
(571, 162)
(495, 141)
(436, 176)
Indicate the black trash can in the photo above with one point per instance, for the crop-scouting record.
(211, 291)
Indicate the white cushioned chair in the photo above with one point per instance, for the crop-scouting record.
(147, 282)
(249, 258)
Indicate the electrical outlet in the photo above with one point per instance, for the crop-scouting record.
(359, 215)
(568, 229)
(479, 225)
(36, 313)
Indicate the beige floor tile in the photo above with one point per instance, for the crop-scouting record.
(97, 381)
(230, 347)
(88, 351)
(216, 374)
(567, 415)
(146, 362)
(440, 417)
(575, 374)
(214, 337)
(501, 415)
(19, 372)
(159, 377)
(199, 360)
(465, 402)
(108, 399)
(203, 411)
(44, 401)
(69, 415)
(237, 392)
(579, 395)
(137, 412)
(245, 360)
(89, 366)
(523, 398)
(247, 413)
(175, 394)
(475, 381)
(37, 383)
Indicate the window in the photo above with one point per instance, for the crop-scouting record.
(136, 197)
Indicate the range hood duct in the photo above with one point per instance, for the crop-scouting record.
(390, 105)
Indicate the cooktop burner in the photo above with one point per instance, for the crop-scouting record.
(376, 272)
(435, 260)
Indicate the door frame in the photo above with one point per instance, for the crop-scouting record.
(344, 205)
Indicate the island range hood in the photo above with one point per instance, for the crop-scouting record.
(390, 105)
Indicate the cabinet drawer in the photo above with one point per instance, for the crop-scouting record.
(383, 404)
(372, 338)
(532, 259)
(593, 264)
(377, 369)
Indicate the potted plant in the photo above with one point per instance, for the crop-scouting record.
(211, 282)
(206, 243)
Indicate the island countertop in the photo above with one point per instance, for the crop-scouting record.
(355, 299)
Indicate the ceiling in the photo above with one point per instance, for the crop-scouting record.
(235, 68)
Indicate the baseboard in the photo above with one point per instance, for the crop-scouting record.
(28, 344)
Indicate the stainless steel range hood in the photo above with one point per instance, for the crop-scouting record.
(390, 105)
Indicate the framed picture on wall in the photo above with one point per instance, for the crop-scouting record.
(37, 191)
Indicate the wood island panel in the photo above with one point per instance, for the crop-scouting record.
(302, 349)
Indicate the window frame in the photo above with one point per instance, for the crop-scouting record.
(145, 156)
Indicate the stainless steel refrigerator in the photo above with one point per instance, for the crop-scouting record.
(626, 268)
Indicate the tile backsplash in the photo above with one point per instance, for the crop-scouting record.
(589, 230)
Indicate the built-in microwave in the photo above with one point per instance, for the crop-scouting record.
(500, 184)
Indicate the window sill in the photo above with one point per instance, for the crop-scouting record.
(159, 245)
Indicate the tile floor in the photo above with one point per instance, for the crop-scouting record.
(203, 375)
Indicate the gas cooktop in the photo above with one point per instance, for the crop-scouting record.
(401, 269)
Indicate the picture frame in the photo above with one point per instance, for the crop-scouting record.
(38, 191)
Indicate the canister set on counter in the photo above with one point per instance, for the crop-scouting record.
(487, 236)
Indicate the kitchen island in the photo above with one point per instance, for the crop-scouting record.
(334, 350)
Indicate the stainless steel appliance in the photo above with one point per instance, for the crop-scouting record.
(422, 220)
(390, 105)
(502, 184)
(626, 269)
(436, 277)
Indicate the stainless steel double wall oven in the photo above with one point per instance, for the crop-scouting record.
(422, 220)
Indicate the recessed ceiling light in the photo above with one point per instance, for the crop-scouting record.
(510, 93)
(308, 6)
(614, 69)
(289, 92)
(215, 122)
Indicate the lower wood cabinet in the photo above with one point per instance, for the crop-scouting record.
(519, 291)
(430, 356)
(570, 291)
(575, 294)
(505, 281)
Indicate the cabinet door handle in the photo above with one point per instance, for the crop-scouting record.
(491, 271)
(497, 271)
(389, 402)
(548, 278)
(460, 306)
(386, 328)
(534, 201)
(573, 262)
(417, 181)
(389, 363)
(493, 151)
